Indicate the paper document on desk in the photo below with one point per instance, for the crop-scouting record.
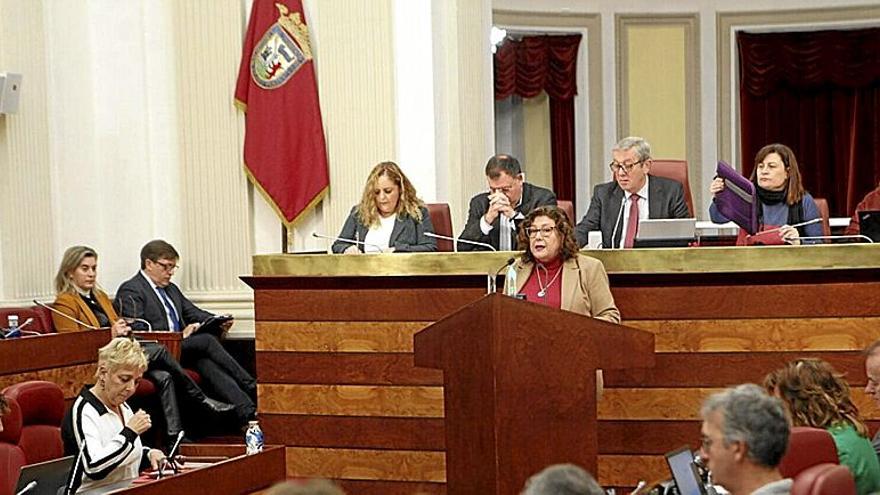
(737, 201)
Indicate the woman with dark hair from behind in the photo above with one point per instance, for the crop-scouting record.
(783, 202)
(817, 396)
(390, 217)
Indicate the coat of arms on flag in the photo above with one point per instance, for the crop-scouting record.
(277, 56)
(285, 155)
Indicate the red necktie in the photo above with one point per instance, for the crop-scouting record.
(632, 225)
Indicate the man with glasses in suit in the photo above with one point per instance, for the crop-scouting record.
(617, 206)
(150, 295)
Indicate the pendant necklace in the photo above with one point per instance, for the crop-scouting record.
(543, 291)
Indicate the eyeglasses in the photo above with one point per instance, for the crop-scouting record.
(617, 167)
(705, 443)
(168, 267)
(544, 231)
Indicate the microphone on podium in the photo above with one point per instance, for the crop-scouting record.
(350, 241)
(456, 240)
(68, 317)
(493, 278)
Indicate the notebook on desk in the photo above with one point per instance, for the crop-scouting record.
(684, 472)
(869, 224)
(49, 475)
(666, 232)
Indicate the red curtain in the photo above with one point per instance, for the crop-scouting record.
(819, 93)
(545, 63)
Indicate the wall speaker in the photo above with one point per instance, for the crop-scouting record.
(10, 87)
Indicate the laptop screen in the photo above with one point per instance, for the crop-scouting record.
(869, 224)
(49, 475)
(684, 474)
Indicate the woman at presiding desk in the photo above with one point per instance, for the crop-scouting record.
(101, 430)
(783, 200)
(79, 297)
(552, 272)
(390, 217)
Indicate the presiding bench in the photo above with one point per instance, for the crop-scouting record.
(339, 387)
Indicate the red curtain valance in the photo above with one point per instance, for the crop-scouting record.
(536, 63)
(805, 60)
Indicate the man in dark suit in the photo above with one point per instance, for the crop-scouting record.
(151, 296)
(493, 215)
(617, 206)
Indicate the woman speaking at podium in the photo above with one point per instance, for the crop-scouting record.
(552, 272)
(390, 217)
(100, 430)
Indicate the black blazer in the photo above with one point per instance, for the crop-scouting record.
(135, 297)
(407, 236)
(532, 197)
(665, 200)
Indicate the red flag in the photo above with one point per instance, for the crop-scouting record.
(284, 151)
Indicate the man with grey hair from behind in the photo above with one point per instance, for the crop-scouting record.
(744, 436)
(562, 479)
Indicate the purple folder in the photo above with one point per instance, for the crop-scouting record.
(737, 200)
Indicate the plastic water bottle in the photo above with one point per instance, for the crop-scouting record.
(510, 281)
(12, 326)
(253, 438)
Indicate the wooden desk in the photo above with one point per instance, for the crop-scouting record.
(338, 387)
(237, 475)
(171, 340)
(67, 359)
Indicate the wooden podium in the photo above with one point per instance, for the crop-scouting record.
(520, 388)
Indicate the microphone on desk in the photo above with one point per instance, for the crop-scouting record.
(617, 222)
(350, 241)
(456, 240)
(169, 459)
(75, 472)
(68, 317)
(132, 319)
(493, 279)
(30, 486)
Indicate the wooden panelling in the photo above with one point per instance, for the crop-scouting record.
(51, 350)
(70, 378)
(358, 464)
(720, 369)
(353, 304)
(760, 334)
(344, 368)
(650, 404)
(395, 465)
(316, 336)
(747, 301)
(356, 432)
(647, 437)
(357, 487)
(627, 470)
(339, 388)
(351, 400)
